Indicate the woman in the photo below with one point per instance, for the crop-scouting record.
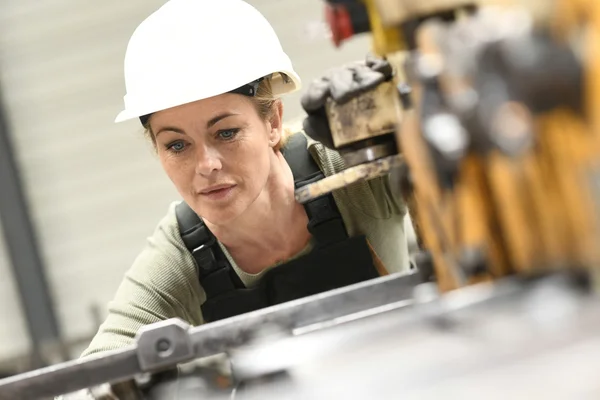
(204, 78)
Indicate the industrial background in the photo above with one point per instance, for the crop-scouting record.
(78, 193)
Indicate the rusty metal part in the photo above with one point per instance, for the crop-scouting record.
(349, 176)
(369, 153)
(371, 114)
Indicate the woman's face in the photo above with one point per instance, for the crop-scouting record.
(218, 152)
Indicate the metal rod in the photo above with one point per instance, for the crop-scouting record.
(214, 338)
(223, 335)
(71, 376)
(349, 176)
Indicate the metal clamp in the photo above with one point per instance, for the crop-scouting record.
(163, 344)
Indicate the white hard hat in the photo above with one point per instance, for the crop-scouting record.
(190, 50)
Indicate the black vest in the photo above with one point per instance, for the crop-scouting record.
(335, 261)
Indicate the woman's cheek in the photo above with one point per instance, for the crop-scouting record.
(180, 174)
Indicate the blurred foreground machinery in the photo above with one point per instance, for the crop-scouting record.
(501, 136)
(498, 141)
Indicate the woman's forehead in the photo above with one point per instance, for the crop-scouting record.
(206, 110)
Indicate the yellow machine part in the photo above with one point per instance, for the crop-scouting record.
(386, 40)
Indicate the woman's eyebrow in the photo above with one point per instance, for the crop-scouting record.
(169, 128)
(210, 123)
(219, 117)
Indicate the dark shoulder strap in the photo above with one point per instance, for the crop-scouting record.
(298, 157)
(198, 239)
(324, 220)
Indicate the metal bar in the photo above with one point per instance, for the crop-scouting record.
(214, 338)
(71, 376)
(223, 335)
(349, 176)
(23, 250)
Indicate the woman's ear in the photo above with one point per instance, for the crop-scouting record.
(276, 123)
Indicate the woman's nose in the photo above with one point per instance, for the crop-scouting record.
(207, 161)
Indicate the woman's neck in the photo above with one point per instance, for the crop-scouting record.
(272, 229)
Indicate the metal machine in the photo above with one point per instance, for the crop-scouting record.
(161, 347)
(498, 143)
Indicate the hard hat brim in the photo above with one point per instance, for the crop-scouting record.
(278, 90)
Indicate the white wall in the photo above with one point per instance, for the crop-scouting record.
(95, 187)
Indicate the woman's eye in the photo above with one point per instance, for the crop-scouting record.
(176, 147)
(227, 134)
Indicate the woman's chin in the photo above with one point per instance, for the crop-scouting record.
(220, 215)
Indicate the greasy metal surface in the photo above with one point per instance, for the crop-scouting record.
(349, 176)
(368, 115)
(211, 339)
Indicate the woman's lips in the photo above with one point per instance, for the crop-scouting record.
(218, 192)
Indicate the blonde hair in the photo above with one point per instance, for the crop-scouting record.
(265, 103)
